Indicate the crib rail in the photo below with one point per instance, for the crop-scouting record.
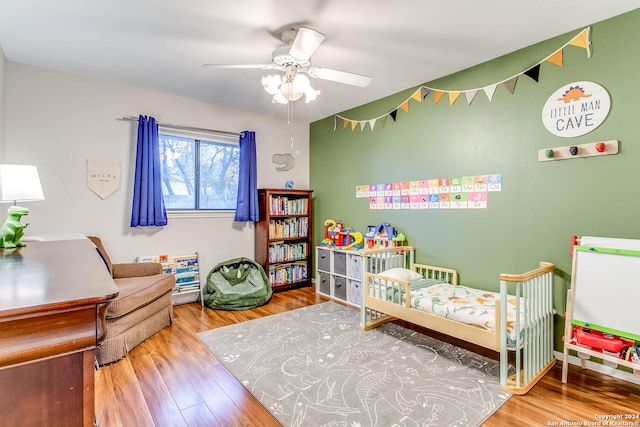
(447, 275)
(376, 261)
(534, 317)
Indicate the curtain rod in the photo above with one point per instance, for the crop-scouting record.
(186, 128)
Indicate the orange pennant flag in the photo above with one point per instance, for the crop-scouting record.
(405, 106)
(453, 96)
(437, 96)
(417, 95)
(345, 123)
(556, 58)
(353, 125)
(582, 40)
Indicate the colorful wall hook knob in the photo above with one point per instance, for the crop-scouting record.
(573, 150)
(600, 147)
(549, 153)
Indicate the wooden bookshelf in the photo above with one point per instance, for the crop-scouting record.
(283, 242)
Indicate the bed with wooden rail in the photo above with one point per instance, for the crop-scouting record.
(432, 298)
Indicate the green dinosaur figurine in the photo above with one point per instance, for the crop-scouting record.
(12, 230)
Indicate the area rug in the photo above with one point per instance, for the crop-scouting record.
(314, 367)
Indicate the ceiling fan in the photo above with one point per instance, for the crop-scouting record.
(294, 60)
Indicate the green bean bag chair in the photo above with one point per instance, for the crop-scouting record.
(237, 284)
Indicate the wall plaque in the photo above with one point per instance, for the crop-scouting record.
(576, 109)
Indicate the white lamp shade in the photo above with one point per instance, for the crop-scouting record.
(19, 183)
(289, 87)
(271, 83)
(288, 90)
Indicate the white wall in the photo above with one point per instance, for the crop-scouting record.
(3, 65)
(57, 121)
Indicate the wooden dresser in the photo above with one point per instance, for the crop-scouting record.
(53, 298)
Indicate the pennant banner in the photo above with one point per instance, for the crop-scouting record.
(582, 40)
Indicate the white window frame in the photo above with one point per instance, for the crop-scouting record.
(206, 136)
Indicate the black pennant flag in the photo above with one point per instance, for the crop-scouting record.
(393, 114)
(533, 72)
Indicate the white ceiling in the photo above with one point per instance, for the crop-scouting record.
(161, 44)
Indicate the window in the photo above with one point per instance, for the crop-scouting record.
(199, 172)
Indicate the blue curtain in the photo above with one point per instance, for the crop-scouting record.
(247, 205)
(148, 202)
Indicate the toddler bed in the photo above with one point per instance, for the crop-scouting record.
(431, 297)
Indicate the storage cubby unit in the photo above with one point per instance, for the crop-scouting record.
(339, 274)
(283, 237)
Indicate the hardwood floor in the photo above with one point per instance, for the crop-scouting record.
(172, 380)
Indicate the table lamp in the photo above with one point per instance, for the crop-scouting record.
(18, 183)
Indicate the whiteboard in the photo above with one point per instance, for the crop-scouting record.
(606, 285)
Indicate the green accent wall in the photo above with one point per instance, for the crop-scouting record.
(542, 204)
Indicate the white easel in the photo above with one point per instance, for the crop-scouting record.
(604, 294)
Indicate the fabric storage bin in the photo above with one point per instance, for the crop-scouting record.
(340, 262)
(355, 266)
(324, 283)
(324, 260)
(339, 287)
(355, 292)
(376, 266)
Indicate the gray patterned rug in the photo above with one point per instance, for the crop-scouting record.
(315, 367)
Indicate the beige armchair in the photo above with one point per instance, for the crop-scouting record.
(143, 307)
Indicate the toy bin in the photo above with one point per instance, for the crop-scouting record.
(340, 287)
(324, 259)
(355, 266)
(355, 291)
(325, 283)
(612, 354)
(340, 263)
(582, 355)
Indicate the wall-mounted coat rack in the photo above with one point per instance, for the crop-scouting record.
(601, 148)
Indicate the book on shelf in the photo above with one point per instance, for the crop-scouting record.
(284, 252)
(288, 273)
(184, 268)
(282, 205)
(187, 288)
(289, 228)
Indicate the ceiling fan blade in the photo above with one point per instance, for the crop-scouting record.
(339, 76)
(241, 66)
(305, 43)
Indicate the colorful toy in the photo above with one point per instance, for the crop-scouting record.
(384, 235)
(353, 240)
(371, 231)
(13, 230)
(599, 340)
(338, 236)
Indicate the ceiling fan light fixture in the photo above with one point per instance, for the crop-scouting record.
(301, 83)
(289, 87)
(279, 98)
(294, 61)
(311, 95)
(271, 83)
(290, 92)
